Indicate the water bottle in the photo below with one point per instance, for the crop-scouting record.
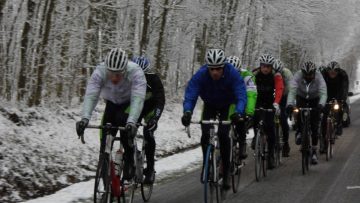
(118, 161)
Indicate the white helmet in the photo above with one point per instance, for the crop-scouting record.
(278, 66)
(235, 61)
(116, 60)
(267, 59)
(308, 68)
(333, 65)
(215, 57)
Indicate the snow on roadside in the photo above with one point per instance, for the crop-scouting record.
(188, 161)
(40, 152)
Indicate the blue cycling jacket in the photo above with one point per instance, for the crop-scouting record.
(228, 90)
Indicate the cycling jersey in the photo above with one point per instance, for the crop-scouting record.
(251, 91)
(131, 89)
(314, 89)
(228, 90)
(337, 87)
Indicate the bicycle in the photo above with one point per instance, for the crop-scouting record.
(329, 140)
(278, 143)
(261, 147)
(305, 138)
(109, 184)
(211, 172)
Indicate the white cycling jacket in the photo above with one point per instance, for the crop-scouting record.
(132, 88)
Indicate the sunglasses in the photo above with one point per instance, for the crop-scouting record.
(216, 69)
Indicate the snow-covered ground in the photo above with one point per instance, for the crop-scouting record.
(41, 154)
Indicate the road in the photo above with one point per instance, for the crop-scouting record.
(333, 181)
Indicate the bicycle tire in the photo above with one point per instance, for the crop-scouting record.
(236, 171)
(102, 175)
(146, 191)
(264, 155)
(277, 145)
(206, 173)
(258, 157)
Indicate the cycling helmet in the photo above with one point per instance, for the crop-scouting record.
(267, 59)
(235, 61)
(308, 68)
(143, 62)
(215, 57)
(116, 60)
(333, 65)
(278, 67)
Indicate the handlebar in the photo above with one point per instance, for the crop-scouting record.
(207, 122)
(266, 110)
(106, 127)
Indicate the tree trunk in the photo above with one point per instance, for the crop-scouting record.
(24, 47)
(159, 56)
(146, 21)
(35, 98)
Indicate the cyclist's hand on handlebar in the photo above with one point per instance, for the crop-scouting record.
(81, 125)
(152, 124)
(186, 118)
(236, 118)
(277, 108)
(131, 130)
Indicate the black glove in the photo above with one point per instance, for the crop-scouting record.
(81, 125)
(186, 119)
(289, 109)
(131, 130)
(152, 124)
(236, 118)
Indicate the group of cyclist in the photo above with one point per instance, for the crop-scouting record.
(132, 92)
(231, 92)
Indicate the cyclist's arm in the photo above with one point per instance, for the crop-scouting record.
(279, 87)
(251, 93)
(158, 94)
(293, 86)
(192, 92)
(138, 91)
(92, 94)
(238, 86)
(345, 86)
(322, 89)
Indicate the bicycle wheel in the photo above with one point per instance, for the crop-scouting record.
(146, 191)
(258, 157)
(277, 145)
(235, 167)
(305, 150)
(102, 192)
(264, 154)
(206, 177)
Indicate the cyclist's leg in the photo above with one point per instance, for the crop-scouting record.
(269, 127)
(255, 123)
(240, 131)
(121, 119)
(339, 120)
(314, 120)
(108, 117)
(224, 141)
(150, 146)
(324, 129)
(284, 126)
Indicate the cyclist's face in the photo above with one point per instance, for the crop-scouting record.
(265, 69)
(216, 72)
(115, 77)
(332, 74)
(309, 77)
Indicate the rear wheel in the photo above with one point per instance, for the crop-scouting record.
(146, 191)
(278, 147)
(264, 155)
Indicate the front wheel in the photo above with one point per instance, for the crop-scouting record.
(102, 192)
(258, 157)
(235, 167)
(146, 191)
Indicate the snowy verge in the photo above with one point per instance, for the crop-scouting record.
(41, 154)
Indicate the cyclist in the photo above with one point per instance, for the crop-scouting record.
(153, 107)
(251, 94)
(337, 82)
(270, 87)
(219, 85)
(308, 89)
(120, 83)
(287, 77)
(322, 69)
